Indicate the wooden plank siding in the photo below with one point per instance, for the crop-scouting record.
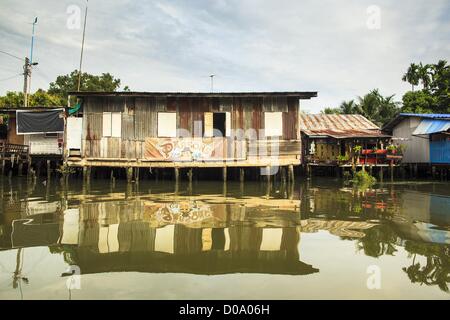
(139, 120)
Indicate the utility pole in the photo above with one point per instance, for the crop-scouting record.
(27, 69)
(30, 62)
(26, 74)
(82, 47)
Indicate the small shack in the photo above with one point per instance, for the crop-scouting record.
(426, 138)
(31, 134)
(343, 141)
(187, 130)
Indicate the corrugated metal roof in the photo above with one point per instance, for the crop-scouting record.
(339, 126)
(429, 126)
(427, 115)
(399, 118)
(295, 94)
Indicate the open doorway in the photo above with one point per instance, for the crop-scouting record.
(219, 124)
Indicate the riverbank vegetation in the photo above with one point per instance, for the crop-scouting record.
(432, 97)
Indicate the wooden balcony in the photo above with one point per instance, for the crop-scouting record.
(14, 152)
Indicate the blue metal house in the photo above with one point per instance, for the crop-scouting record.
(425, 136)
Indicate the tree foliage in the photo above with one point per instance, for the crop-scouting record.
(39, 98)
(58, 89)
(69, 82)
(435, 94)
(373, 106)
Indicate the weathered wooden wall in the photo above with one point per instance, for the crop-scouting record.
(139, 119)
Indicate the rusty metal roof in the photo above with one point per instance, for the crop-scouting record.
(295, 94)
(339, 126)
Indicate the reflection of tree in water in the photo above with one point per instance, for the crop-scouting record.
(436, 271)
(379, 240)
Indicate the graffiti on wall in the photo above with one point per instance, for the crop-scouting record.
(185, 149)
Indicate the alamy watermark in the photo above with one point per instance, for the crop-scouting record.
(373, 21)
(73, 281)
(73, 17)
(374, 280)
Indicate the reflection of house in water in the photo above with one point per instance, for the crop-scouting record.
(115, 236)
(182, 237)
(426, 207)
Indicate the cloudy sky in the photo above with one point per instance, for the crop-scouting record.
(338, 48)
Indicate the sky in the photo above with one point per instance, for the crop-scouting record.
(342, 49)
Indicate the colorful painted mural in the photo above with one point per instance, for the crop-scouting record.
(186, 149)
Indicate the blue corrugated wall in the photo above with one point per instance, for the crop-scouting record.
(440, 151)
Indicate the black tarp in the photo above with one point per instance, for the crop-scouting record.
(40, 121)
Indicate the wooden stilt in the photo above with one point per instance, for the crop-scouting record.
(190, 175)
(391, 169)
(381, 174)
(224, 189)
(3, 167)
(268, 172)
(20, 169)
(291, 173)
(177, 174)
(29, 169)
(136, 174)
(49, 170)
(129, 174)
(283, 175)
(241, 175)
(224, 174)
(433, 172)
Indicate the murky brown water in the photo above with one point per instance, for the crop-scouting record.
(317, 239)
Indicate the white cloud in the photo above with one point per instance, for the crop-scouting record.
(251, 45)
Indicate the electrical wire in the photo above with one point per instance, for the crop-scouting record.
(11, 55)
(9, 78)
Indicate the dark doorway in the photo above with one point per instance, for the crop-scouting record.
(219, 125)
(342, 148)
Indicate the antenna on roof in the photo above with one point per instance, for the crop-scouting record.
(82, 46)
(212, 82)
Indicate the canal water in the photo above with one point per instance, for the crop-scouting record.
(208, 240)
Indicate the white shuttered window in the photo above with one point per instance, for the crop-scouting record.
(112, 124)
(273, 123)
(167, 124)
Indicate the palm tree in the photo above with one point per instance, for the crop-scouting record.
(348, 107)
(377, 108)
(424, 74)
(438, 69)
(412, 76)
(368, 105)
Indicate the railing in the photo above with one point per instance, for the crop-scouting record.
(8, 150)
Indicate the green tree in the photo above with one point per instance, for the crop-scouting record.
(377, 108)
(11, 99)
(424, 74)
(39, 98)
(69, 82)
(43, 98)
(411, 76)
(440, 87)
(418, 102)
(435, 96)
(330, 110)
(348, 107)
